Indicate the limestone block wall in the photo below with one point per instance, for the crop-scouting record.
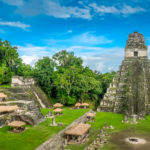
(129, 91)
(56, 142)
(20, 81)
(130, 53)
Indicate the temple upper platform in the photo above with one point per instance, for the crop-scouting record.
(136, 46)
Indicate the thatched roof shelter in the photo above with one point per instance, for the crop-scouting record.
(85, 104)
(16, 124)
(57, 105)
(58, 110)
(90, 115)
(8, 108)
(78, 130)
(77, 104)
(2, 95)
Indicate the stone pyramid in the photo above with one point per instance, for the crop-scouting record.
(129, 92)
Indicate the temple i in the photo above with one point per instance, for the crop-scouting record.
(129, 92)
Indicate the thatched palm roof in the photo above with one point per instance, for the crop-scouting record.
(2, 95)
(58, 110)
(79, 129)
(16, 124)
(57, 105)
(91, 115)
(77, 104)
(85, 104)
(8, 108)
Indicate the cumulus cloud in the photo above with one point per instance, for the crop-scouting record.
(97, 58)
(89, 38)
(81, 39)
(95, 63)
(14, 24)
(30, 53)
(31, 60)
(131, 10)
(124, 10)
(58, 9)
(52, 8)
(13, 2)
(30, 50)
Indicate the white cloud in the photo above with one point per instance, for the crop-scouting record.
(125, 10)
(95, 63)
(57, 9)
(111, 68)
(91, 39)
(30, 59)
(103, 9)
(14, 24)
(52, 8)
(81, 39)
(30, 50)
(131, 10)
(97, 58)
(13, 2)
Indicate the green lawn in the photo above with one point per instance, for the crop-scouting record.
(114, 120)
(34, 136)
(5, 86)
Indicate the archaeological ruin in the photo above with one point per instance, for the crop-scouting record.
(22, 102)
(129, 92)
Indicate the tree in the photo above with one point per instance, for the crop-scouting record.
(9, 61)
(73, 80)
(9, 56)
(5, 74)
(68, 67)
(25, 70)
(65, 81)
(89, 87)
(63, 77)
(44, 69)
(66, 59)
(106, 80)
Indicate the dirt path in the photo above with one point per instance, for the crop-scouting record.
(119, 140)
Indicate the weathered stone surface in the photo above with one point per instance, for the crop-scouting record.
(131, 93)
(20, 81)
(29, 108)
(57, 141)
(135, 45)
(3, 119)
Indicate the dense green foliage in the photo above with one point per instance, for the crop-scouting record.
(11, 64)
(65, 79)
(44, 70)
(62, 77)
(36, 135)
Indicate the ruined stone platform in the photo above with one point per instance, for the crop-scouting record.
(129, 92)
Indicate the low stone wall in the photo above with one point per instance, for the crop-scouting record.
(56, 142)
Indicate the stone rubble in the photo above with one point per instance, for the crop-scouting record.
(101, 139)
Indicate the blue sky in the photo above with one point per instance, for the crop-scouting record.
(96, 30)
